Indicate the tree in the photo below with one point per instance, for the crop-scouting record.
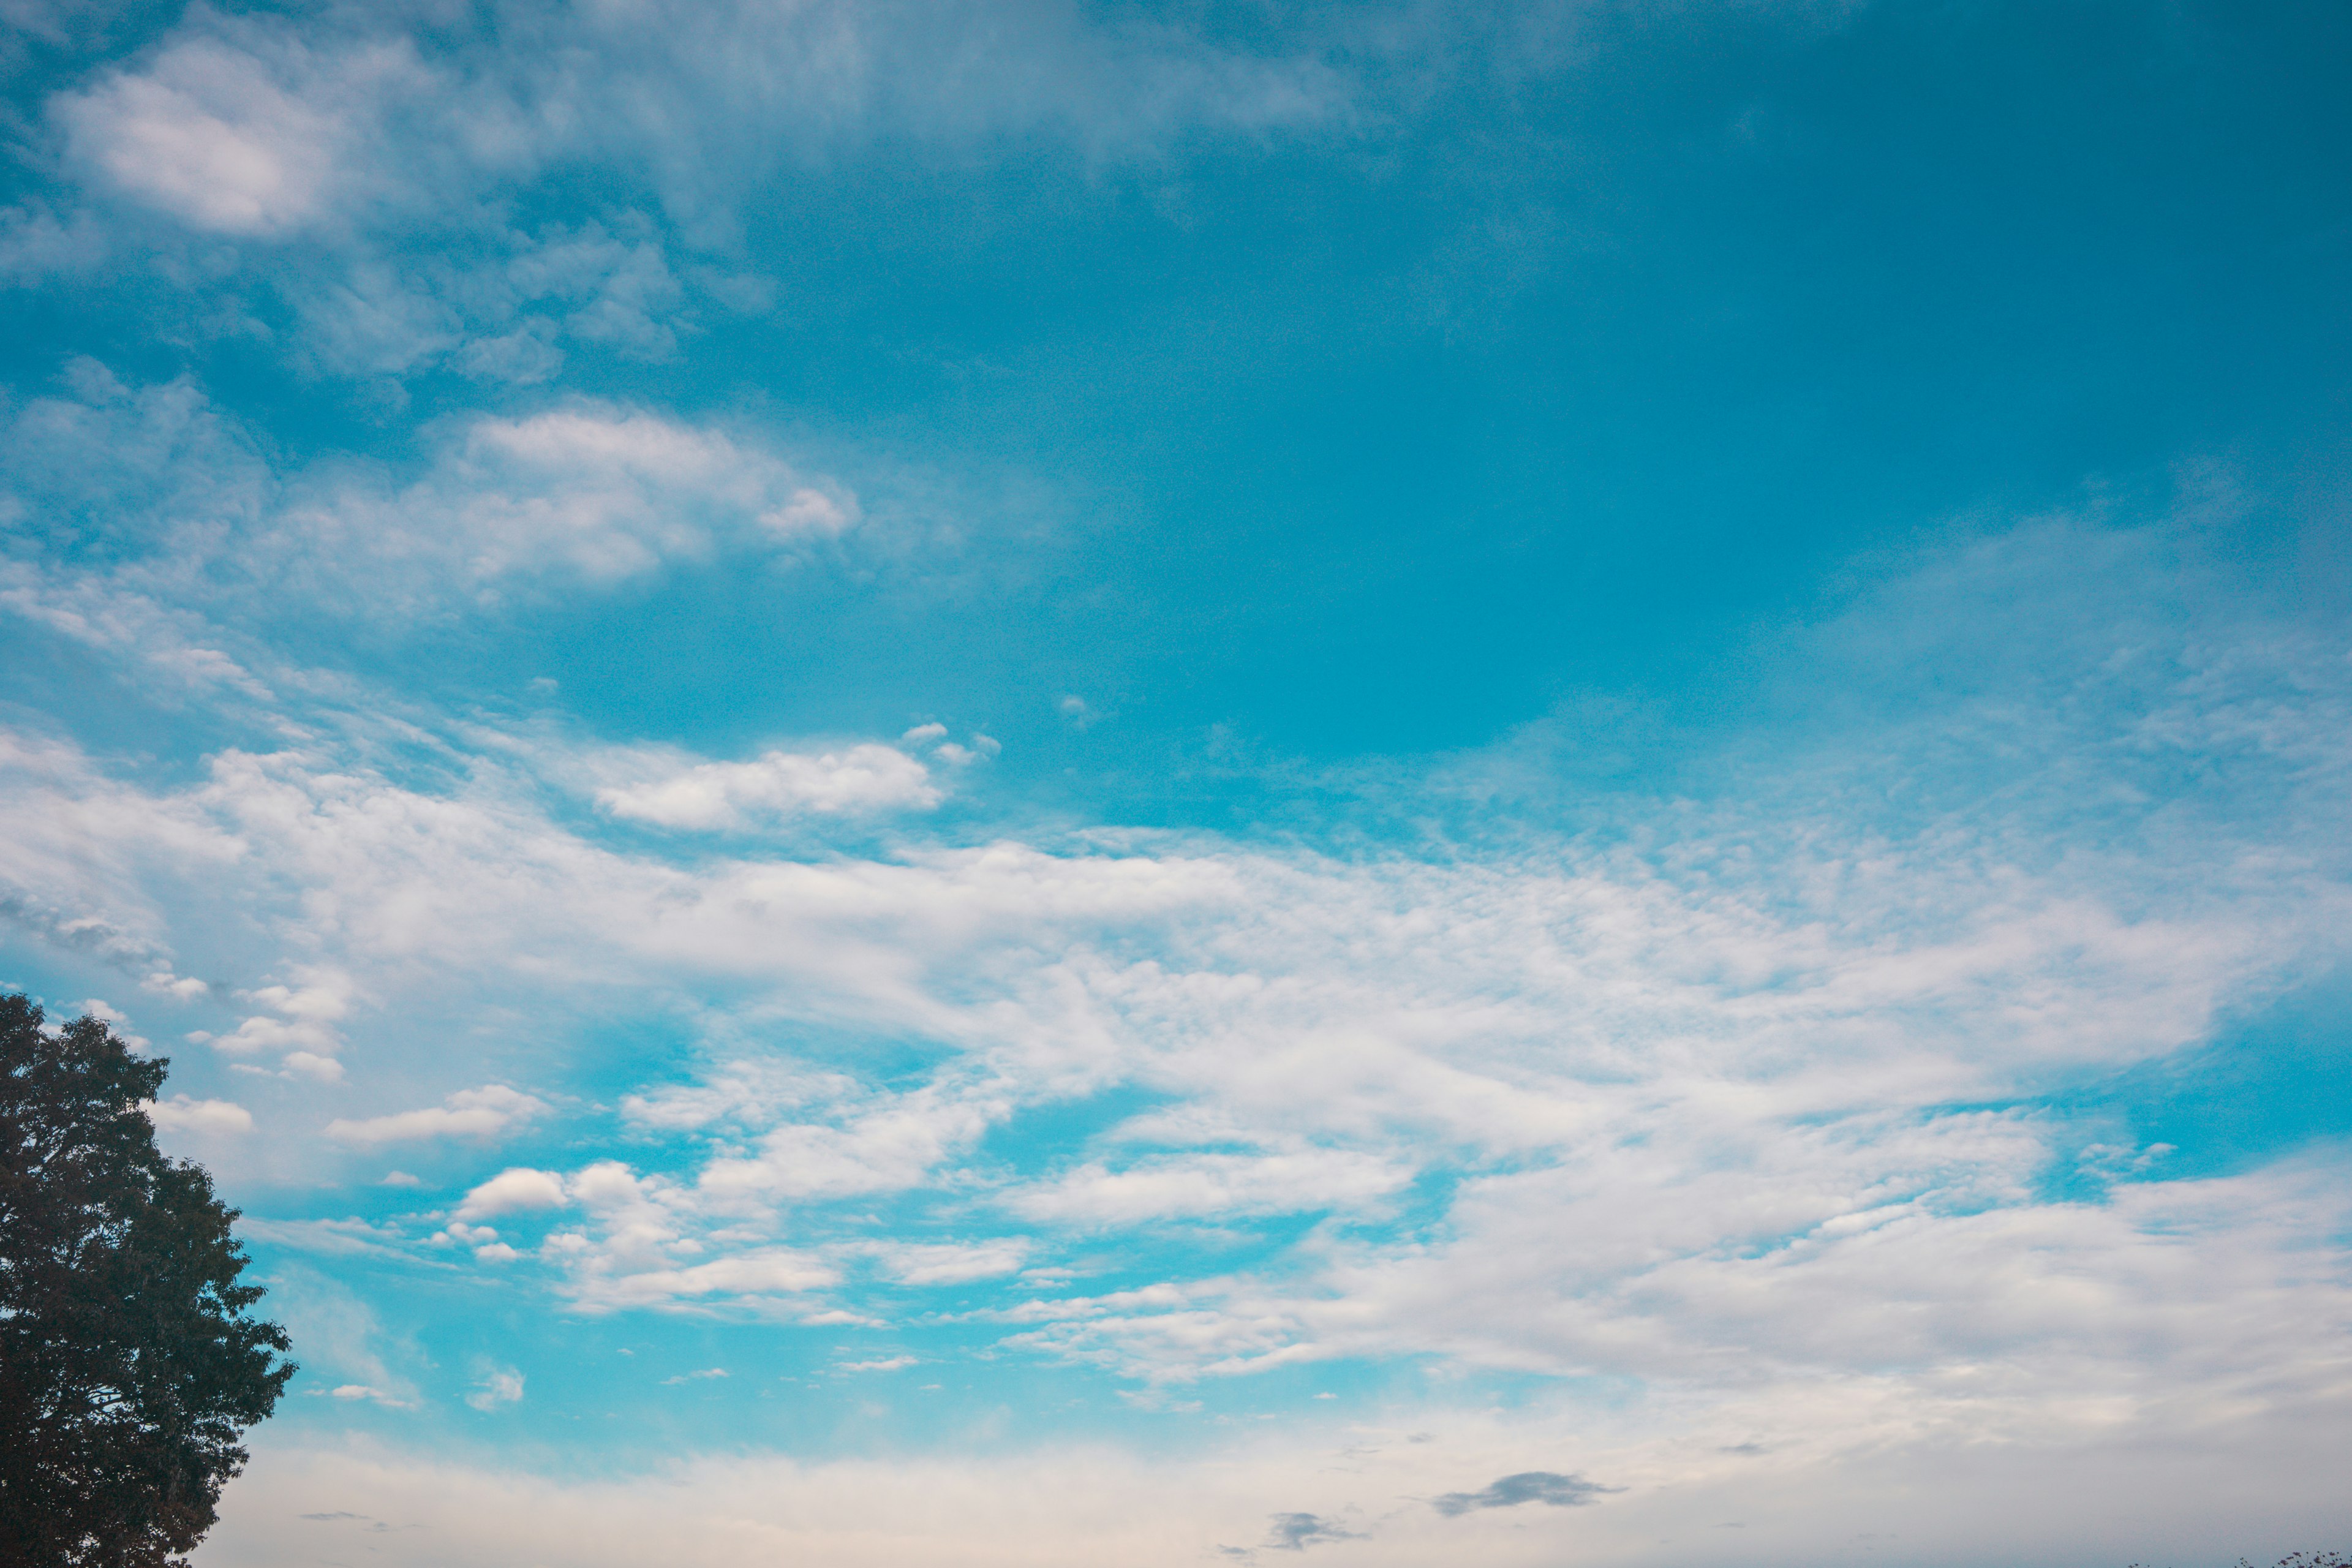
(130, 1364)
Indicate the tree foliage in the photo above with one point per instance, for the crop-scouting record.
(130, 1364)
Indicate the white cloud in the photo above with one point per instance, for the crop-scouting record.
(1682, 1089)
(895, 1146)
(753, 1093)
(587, 493)
(300, 1024)
(181, 1114)
(760, 1273)
(371, 170)
(204, 536)
(1195, 1186)
(498, 1386)
(329, 1237)
(116, 1021)
(205, 133)
(778, 785)
(263, 126)
(950, 1263)
(482, 1112)
(353, 1392)
(519, 1188)
(1807, 1467)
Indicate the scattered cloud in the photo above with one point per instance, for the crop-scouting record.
(301, 1024)
(1721, 1083)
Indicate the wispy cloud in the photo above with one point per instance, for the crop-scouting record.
(369, 168)
(469, 1113)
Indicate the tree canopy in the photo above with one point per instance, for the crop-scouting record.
(130, 1361)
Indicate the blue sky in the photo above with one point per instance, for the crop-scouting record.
(1051, 783)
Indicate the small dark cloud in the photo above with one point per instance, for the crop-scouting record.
(338, 1513)
(1744, 1449)
(1298, 1532)
(1528, 1486)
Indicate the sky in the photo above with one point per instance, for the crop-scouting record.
(1046, 784)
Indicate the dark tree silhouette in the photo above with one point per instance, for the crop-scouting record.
(129, 1361)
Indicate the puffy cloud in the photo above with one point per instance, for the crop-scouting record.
(517, 1188)
(482, 1112)
(300, 1024)
(205, 133)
